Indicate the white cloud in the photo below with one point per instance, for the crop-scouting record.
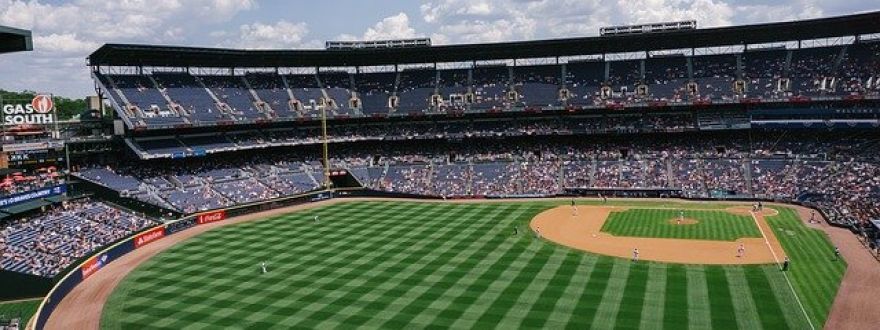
(708, 13)
(459, 21)
(63, 44)
(65, 33)
(468, 22)
(798, 9)
(281, 34)
(391, 27)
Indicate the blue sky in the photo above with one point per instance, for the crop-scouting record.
(65, 32)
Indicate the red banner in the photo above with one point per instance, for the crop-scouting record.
(149, 236)
(93, 265)
(211, 217)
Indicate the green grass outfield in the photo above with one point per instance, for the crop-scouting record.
(717, 225)
(23, 308)
(391, 265)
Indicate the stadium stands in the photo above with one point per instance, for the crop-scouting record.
(823, 169)
(19, 182)
(163, 99)
(45, 244)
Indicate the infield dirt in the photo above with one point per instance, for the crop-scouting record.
(582, 230)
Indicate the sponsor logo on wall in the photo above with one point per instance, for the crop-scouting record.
(149, 236)
(93, 265)
(211, 217)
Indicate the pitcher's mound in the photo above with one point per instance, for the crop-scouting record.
(685, 221)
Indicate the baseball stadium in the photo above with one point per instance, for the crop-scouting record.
(654, 176)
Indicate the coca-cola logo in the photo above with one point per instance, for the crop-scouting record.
(211, 217)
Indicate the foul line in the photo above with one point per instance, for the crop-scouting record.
(784, 274)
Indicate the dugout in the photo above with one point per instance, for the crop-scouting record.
(629, 193)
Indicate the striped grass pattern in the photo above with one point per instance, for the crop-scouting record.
(815, 273)
(715, 225)
(394, 265)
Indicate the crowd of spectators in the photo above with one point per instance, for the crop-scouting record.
(19, 182)
(769, 74)
(787, 168)
(45, 244)
(596, 124)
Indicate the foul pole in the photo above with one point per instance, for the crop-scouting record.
(326, 156)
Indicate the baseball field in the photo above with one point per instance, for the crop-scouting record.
(384, 265)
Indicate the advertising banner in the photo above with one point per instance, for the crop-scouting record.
(149, 236)
(93, 265)
(211, 217)
(33, 194)
(38, 111)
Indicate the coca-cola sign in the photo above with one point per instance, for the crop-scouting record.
(211, 217)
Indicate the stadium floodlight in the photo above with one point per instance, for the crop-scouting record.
(378, 44)
(647, 28)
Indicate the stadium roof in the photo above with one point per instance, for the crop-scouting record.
(152, 55)
(15, 40)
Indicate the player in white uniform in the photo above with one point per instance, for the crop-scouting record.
(741, 251)
(263, 267)
(636, 254)
(316, 218)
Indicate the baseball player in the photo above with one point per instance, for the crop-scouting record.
(680, 216)
(515, 231)
(538, 232)
(263, 267)
(316, 218)
(741, 251)
(785, 263)
(836, 253)
(574, 208)
(636, 254)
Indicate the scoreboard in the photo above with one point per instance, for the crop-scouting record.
(34, 157)
(26, 154)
